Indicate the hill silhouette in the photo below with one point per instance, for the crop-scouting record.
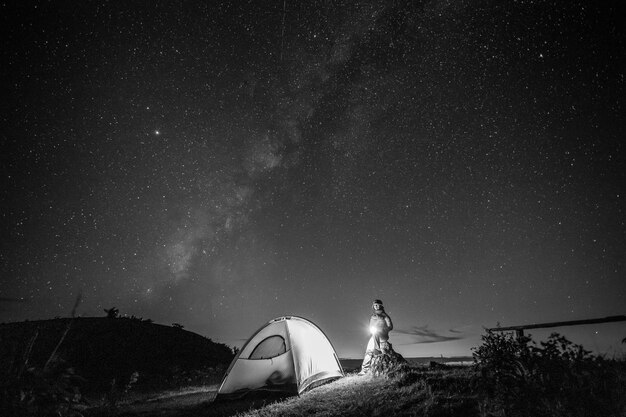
(107, 351)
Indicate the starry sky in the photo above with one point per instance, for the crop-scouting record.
(219, 164)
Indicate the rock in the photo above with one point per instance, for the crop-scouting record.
(388, 363)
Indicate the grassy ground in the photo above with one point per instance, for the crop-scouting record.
(420, 392)
(417, 393)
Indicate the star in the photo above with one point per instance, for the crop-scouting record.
(464, 155)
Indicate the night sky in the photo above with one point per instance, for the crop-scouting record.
(219, 164)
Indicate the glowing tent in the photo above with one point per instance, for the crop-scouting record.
(288, 354)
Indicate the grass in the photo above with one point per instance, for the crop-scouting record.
(414, 393)
(417, 391)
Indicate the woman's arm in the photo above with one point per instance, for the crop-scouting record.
(388, 321)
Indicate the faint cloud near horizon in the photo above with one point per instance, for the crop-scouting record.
(422, 334)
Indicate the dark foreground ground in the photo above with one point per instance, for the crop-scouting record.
(424, 389)
(433, 390)
(199, 401)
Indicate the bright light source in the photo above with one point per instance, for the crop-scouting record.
(373, 330)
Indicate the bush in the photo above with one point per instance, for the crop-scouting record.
(36, 392)
(558, 378)
(31, 390)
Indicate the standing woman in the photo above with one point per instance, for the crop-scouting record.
(380, 326)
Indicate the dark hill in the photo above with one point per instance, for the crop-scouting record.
(103, 349)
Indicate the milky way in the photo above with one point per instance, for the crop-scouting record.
(218, 165)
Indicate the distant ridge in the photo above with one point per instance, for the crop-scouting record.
(352, 364)
(103, 349)
(426, 359)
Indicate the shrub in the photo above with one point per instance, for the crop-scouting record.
(119, 389)
(112, 312)
(48, 390)
(558, 378)
(52, 391)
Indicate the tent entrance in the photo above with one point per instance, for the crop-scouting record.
(270, 347)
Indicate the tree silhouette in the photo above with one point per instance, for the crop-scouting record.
(112, 313)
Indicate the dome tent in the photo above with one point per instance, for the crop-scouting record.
(288, 354)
